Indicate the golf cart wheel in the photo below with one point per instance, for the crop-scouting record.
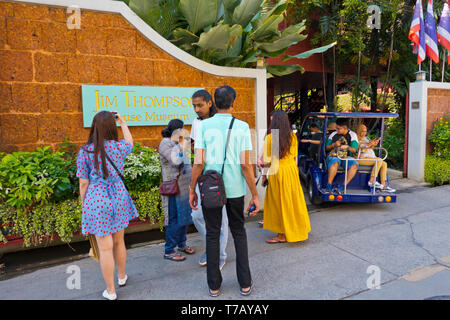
(316, 200)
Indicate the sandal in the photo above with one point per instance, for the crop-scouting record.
(247, 292)
(187, 250)
(174, 257)
(275, 240)
(212, 294)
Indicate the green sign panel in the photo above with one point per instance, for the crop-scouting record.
(138, 105)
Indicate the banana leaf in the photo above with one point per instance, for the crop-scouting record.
(282, 70)
(235, 42)
(245, 12)
(199, 13)
(289, 37)
(184, 39)
(142, 6)
(308, 53)
(277, 10)
(229, 6)
(217, 37)
(267, 29)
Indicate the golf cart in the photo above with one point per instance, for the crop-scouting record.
(312, 160)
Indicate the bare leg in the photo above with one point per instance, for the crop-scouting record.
(105, 246)
(120, 252)
(332, 172)
(351, 173)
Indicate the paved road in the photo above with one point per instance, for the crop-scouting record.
(407, 242)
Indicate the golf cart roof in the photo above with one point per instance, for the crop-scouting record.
(353, 114)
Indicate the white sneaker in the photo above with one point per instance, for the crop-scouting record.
(122, 282)
(376, 184)
(388, 189)
(109, 296)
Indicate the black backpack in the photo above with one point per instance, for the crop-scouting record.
(210, 183)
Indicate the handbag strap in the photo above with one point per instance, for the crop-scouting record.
(114, 166)
(228, 140)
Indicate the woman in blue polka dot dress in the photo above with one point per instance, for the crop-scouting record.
(107, 206)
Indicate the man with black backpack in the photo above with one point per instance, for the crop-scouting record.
(222, 167)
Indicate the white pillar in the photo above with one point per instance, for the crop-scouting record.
(417, 130)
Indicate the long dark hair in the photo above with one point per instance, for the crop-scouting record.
(280, 121)
(173, 125)
(103, 128)
(206, 96)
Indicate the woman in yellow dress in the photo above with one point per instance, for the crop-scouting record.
(285, 210)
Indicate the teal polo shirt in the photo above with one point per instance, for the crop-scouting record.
(211, 136)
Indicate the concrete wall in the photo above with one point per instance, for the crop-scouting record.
(434, 102)
(43, 65)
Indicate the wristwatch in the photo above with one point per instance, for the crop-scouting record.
(191, 190)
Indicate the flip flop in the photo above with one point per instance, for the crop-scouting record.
(211, 294)
(246, 293)
(172, 257)
(187, 250)
(275, 240)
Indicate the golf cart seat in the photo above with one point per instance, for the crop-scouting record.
(363, 169)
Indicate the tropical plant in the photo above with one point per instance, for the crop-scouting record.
(226, 32)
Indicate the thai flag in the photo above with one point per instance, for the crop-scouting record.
(417, 32)
(430, 34)
(443, 32)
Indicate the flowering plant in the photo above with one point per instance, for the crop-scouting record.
(440, 137)
(142, 168)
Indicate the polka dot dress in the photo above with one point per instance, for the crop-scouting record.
(107, 207)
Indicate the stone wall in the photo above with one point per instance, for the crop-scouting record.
(43, 65)
(438, 106)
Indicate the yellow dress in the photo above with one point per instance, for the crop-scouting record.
(284, 204)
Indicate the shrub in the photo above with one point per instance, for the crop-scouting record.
(437, 170)
(30, 178)
(39, 192)
(142, 169)
(440, 137)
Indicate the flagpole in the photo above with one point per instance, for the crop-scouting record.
(443, 65)
(431, 62)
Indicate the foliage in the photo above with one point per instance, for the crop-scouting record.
(43, 221)
(437, 170)
(39, 192)
(394, 143)
(142, 169)
(344, 104)
(29, 178)
(148, 204)
(225, 32)
(384, 54)
(440, 137)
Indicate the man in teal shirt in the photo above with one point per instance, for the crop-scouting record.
(209, 155)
